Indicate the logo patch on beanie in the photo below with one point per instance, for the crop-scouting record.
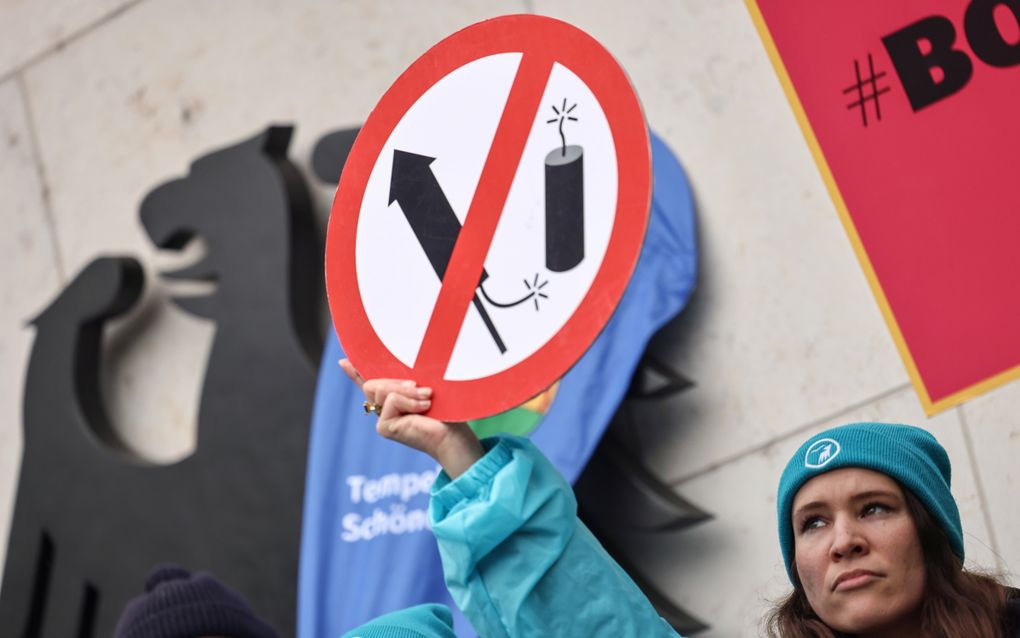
(821, 453)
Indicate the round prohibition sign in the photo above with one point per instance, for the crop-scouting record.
(368, 277)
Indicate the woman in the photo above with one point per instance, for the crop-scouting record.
(869, 532)
(872, 542)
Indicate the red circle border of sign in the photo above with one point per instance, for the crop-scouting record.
(595, 66)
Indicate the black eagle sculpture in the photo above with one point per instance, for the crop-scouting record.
(91, 518)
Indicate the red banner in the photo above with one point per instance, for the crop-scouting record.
(912, 111)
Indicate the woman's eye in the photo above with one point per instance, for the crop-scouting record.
(811, 523)
(876, 508)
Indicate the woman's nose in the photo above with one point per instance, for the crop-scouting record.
(848, 540)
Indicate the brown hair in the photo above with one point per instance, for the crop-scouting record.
(956, 603)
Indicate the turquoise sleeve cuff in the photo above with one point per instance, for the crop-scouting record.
(447, 492)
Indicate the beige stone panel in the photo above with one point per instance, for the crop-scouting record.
(133, 103)
(727, 570)
(783, 329)
(29, 278)
(993, 423)
(30, 28)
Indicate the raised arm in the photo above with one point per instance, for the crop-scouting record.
(516, 559)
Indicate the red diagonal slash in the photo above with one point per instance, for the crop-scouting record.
(483, 215)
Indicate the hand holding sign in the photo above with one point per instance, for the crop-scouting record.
(511, 246)
(453, 445)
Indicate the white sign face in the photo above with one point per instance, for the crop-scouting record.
(489, 215)
(551, 237)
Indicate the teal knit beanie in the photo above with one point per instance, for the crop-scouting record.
(905, 453)
(422, 621)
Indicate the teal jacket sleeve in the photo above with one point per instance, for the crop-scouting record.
(517, 560)
(422, 621)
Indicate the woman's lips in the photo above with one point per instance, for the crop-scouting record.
(854, 580)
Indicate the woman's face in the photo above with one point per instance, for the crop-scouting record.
(858, 554)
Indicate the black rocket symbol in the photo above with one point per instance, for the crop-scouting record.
(564, 199)
(414, 186)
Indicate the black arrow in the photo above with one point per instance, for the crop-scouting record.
(413, 185)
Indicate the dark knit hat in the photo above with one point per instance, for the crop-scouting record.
(179, 604)
(905, 453)
(423, 621)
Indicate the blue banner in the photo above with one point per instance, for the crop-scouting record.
(366, 546)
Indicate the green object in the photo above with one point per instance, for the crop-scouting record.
(905, 453)
(516, 421)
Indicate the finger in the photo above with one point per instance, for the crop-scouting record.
(376, 390)
(348, 368)
(414, 430)
(397, 405)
